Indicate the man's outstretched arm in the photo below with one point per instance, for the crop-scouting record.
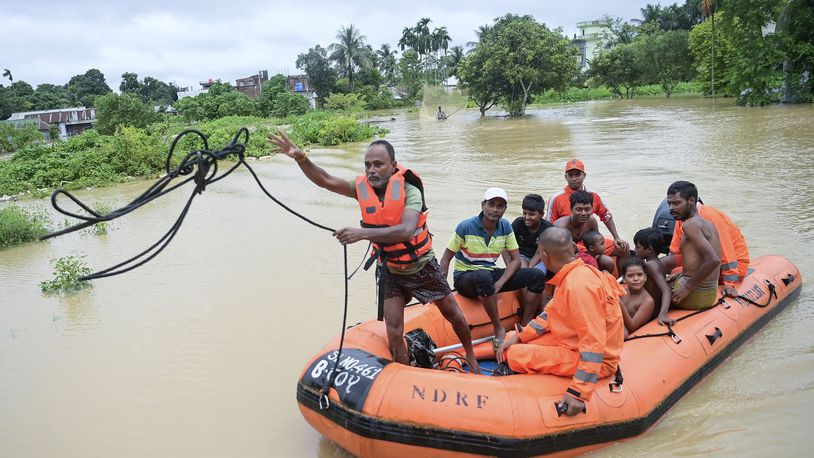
(315, 173)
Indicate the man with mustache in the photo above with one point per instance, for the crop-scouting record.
(394, 217)
(697, 286)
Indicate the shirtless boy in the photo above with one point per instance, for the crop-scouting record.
(648, 243)
(697, 287)
(595, 245)
(638, 304)
(581, 219)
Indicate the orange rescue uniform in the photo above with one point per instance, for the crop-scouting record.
(734, 252)
(579, 334)
(559, 205)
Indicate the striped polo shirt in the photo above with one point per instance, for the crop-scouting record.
(474, 249)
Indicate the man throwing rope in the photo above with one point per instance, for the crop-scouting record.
(394, 219)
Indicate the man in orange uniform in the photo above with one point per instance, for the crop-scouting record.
(734, 252)
(394, 218)
(559, 205)
(581, 331)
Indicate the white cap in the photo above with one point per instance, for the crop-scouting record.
(491, 193)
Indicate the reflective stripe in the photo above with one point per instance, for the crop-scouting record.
(732, 278)
(543, 315)
(590, 357)
(729, 265)
(395, 191)
(587, 377)
(540, 330)
(361, 191)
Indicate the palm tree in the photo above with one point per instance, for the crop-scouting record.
(456, 55)
(387, 62)
(7, 74)
(480, 32)
(408, 39)
(350, 51)
(440, 40)
(708, 8)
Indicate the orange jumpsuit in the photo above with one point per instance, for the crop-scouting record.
(734, 252)
(579, 334)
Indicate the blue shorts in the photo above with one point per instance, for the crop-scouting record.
(539, 266)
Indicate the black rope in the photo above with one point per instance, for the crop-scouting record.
(201, 166)
(671, 333)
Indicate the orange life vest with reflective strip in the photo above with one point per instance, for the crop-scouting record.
(387, 213)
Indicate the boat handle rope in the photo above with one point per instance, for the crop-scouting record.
(200, 166)
(722, 301)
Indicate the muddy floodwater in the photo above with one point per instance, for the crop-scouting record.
(197, 353)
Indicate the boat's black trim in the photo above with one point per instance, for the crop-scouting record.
(462, 441)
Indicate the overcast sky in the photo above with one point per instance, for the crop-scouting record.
(48, 41)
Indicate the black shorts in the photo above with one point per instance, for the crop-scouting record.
(426, 285)
(479, 283)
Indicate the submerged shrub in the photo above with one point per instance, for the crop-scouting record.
(67, 271)
(18, 225)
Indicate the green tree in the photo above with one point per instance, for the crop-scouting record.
(527, 58)
(620, 69)
(154, 91)
(666, 58)
(321, 75)
(410, 71)
(756, 59)
(269, 91)
(482, 84)
(349, 52)
(713, 74)
(387, 63)
(456, 55)
(191, 109)
(114, 110)
(85, 88)
(796, 28)
(234, 103)
(130, 83)
(49, 96)
(289, 104)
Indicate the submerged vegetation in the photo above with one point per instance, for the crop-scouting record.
(19, 225)
(67, 273)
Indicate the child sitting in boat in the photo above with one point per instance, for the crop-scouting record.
(648, 244)
(638, 304)
(595, 246)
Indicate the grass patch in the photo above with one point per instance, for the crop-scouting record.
(18, 225)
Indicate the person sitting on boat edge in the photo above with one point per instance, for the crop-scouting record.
(476, 245)
(637, 305)
(581, 331)
(697, 285)
(648, 244)
(734, 251)
(394, 220)
(559, 204)
(527, 230)
(580, 222)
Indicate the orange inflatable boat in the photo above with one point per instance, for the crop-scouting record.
(378, 408)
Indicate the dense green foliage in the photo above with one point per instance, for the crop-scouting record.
(150, 90)
(517, 59)
(700, 44)
(325, 129)
(18, 225)
(114, 110)
(345, 102)
(578, 94)
(321, 75)
(13, 139)
(67, 271)
(84, 89)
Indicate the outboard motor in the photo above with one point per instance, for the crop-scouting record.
(664, 222)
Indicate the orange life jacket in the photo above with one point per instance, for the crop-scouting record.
(387, 213)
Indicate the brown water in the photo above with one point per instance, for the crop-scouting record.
(197, 353)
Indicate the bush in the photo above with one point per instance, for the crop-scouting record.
(326, 129)
(289, 104)
(13, 139)
(114, 110)
(67, 271)
(18, 225)
(345, 102)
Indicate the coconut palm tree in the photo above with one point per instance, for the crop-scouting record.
(456, 55)
(350, 51)
(708, 8)
(387, 62)
(480, 32)
(7, 74)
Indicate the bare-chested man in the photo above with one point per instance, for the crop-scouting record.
(697, 287)
(581, 219)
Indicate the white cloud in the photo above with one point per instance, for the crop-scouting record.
(187, 42)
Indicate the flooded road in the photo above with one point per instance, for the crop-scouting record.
(198, 352)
